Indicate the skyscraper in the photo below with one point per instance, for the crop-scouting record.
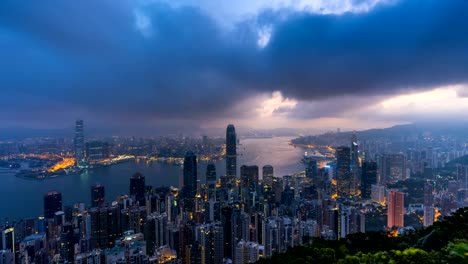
(249, 181)
(393, 168)
(343, 171)
(267, 176)
(190, 181)
(354, 166)
(211, 180)
(231, 153)
(137, 187)
(97, 195)
(7, 241)
(52, 204)
(79, 140)
(369, 177)
(396, 209)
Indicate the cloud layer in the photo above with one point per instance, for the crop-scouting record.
(159, 64)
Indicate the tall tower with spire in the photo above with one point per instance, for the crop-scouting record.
(231, 153)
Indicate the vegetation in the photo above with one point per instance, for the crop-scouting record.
(444, 242)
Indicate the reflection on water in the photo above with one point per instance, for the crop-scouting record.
(23, 198)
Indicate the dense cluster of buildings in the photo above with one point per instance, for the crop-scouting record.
(234, 218)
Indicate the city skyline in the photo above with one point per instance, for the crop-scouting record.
(260, 64)
(233, 132)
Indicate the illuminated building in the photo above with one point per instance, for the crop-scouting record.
(52, 204)
(429, 215)
(8, 239)
(249, 182)
(97, 195)
(79, 140)
(343, 171)
(189, 190)
(247, 252)
(354, 166)
(97, 150)
(271, 237)
(396, 209)
(155, 229)
(393, 168)
(369, 177)
(378, 193)
(312, 170)
(267, 176)
(137, 188)
(67, 243)
(231, 152)
(210, 237)
(211, 180)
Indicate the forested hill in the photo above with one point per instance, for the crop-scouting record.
(444, 242)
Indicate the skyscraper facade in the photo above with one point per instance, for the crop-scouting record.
(354, 166)
(267, 177)
(393, 168)
(211, 180)
(343, 171)
(369, 177)
(396, 209)
(190, 181)
(79, 140)
(137, 187)
(97, 195)
(52, 204)
(231, 152)
(249, 182)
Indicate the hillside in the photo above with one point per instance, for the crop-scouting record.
(444, 242)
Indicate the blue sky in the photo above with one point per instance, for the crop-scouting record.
(263, 64)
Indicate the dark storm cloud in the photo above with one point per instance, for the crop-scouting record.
(415, 44)
(91, 57)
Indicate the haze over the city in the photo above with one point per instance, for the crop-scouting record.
(141, 65)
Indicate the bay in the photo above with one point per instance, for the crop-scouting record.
(20, 198)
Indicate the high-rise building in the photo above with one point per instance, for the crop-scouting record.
(429, 215)
(210, 237)
(271, 237)
(7, 241)
(211, 180)
(267, 175)
(249, 181)
(378, 193)
(67, 243)
(226, 218)
(97, 150)
(97, 195)
(52, 204)
(396, 209)
(190, 181)
(231, 152)
(247, 252)
(137, 187)
(428, 197)
(369, 177)
(354, 166)
(343, 171)
(393, 168)
(312, 169)
(79, 140)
